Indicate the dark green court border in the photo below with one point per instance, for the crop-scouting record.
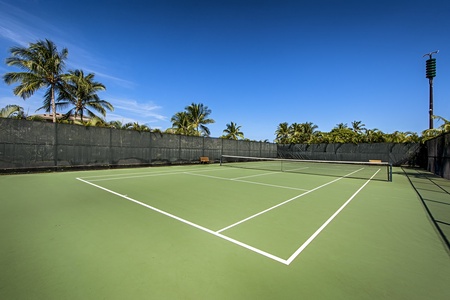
(438, 187)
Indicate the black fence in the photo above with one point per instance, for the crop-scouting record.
(438, 155)
(38, 145)
(393, 153)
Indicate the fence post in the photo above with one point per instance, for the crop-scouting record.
(179, 147)
(55, 141)
(150, 147)
(203, 146)
(110, 147)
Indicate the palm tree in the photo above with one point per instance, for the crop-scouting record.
(233, 132)
(430, 134)
(170, 131)
(95, 122)
(341, 126)
(198, 116)
(116, 125)
(396, 137)
(136, 126)
(402, 137)
(358, 127)
(320, 137)
(342, 134)
(308, 131)
(374, 136)
(444, 127)
(412, 137)
(295, 132)
(282, 133)
(181, 123)
(42, 66)
(81, 92)
(12, 111)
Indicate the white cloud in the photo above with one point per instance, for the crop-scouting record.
(134, 111)
(20, 27)
(119, 81)
(12, 36)
(29, 106)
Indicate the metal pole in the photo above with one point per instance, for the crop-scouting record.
(431, 103)
(431, 73)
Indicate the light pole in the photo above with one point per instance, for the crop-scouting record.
(430, 74)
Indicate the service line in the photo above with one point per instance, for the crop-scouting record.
(246, 181)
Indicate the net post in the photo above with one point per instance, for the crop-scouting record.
(221, 159)
(390, 172)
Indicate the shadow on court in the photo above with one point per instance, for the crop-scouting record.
(434, 193)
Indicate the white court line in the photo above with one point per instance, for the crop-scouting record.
(315, 234)
(136, 176)
(296, 169)
(283, 203)
(142, 175)
(251, 248)
(266, 254)
(128, 174)
(250, 182)
(257, 175)
(210, 168)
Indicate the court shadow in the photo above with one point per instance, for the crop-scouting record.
(432, 190)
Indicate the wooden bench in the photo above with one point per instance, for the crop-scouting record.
(204, 159)
(375, 160)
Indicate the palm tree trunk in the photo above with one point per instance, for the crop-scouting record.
(53, 104)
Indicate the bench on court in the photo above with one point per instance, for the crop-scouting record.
(204, 159)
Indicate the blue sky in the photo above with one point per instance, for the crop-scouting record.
(255, 63)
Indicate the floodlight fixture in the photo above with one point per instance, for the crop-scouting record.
(430, 74)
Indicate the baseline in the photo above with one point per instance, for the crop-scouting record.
(142, 175)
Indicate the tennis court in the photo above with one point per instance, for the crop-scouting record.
(216, 232)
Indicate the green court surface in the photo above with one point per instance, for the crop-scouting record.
(214, 232)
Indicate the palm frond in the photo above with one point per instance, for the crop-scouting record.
(42, 66)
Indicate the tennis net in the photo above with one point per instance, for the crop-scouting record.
(350, 169)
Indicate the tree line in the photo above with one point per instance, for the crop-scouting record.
(307, 133)
(42, 66)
